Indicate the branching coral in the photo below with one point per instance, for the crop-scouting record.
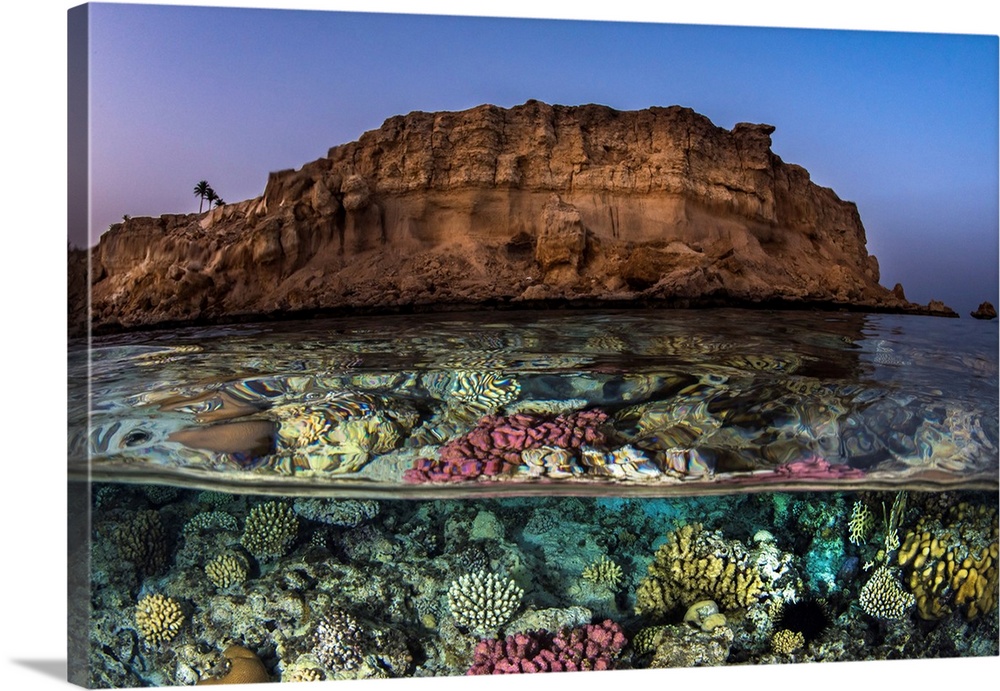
(338, 641)
(226, 569)
(860, 523)
(270, 530)
(142, 541)
(588, 647)
(949, 561)
(786, 641)
(494, 446)
(158, 618)
(483, 602)
(882, 596)
(694, 564)
(603, 572)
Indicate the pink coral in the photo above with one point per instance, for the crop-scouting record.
(589, 647)
(494, 445)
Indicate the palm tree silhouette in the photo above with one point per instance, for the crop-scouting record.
(202, 189)
(219, 202)
(211, 196)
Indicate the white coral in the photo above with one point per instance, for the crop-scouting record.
(483, 602)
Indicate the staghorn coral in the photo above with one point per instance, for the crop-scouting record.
(158, 618)
(270, 530)
(786, 641)
(494, 446)
(243, 667)
(226, 569)
(143, 542)
(338, 642)
(694, 564)
(949, 561)
(883, 598)
(483, 602)
(603, 572)
(588, 647)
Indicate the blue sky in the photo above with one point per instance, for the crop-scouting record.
(903, 124)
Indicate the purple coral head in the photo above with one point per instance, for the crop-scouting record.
(589, 647)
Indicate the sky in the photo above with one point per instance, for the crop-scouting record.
(33, 62)
(903, 124)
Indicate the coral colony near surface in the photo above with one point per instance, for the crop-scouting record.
(203, 587)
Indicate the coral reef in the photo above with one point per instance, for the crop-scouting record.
(949, 561)
(483, 602)
(210, 520)
(589, 647)
(270, 530)
(494, 446)
(158, 618)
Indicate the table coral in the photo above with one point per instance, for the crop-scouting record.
(588, 647)
(949, 561)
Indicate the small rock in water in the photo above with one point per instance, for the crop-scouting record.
(985, 311)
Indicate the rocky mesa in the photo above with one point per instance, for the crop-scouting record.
(536, 204)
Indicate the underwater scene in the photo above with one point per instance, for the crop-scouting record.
(503, 492)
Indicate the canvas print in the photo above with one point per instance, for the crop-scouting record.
(416, 346)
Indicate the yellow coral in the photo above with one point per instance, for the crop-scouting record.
(226, 569)
(603, 572)
(786, 641)
(860, 523)
(158, 618)
(949, 561)
(647, 639)
(694, 564)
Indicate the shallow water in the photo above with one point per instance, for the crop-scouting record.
(315, 493)
(661, 402)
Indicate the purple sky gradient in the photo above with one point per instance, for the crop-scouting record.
(903, 124)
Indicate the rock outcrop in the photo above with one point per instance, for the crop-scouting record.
(497, 206)
(985, 311)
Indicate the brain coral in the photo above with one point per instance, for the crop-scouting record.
(949, 561)
(270, 530)
(158, 618)
(483, 602)
(695, 564)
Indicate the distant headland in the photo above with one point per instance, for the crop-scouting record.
(533, 205)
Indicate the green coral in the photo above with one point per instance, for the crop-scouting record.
(270, 530)
(860, 523)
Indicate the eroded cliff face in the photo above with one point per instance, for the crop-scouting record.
(491, 205)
